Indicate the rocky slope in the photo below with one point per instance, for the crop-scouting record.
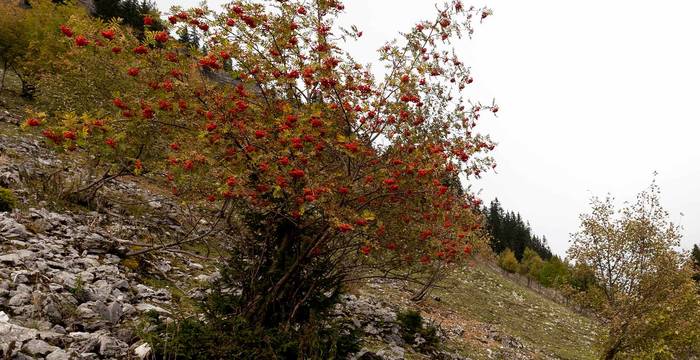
(67, 290)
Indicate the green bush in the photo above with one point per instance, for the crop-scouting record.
(411, 323)
(224, 332)
(554, 273)
(234, 338)
(508, 262)
(8, 201)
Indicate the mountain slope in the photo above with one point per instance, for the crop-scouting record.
(489, 316)
(481, 313)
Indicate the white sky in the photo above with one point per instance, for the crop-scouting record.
(594, 95)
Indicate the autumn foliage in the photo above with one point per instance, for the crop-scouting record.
(318, 172)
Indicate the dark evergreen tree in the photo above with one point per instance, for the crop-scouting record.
(131, 12)
(695, 257)
(509, 231)
(188, 36)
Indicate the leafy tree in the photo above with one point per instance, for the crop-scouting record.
(583, 277)
(554, 273)
(531, 265)
(651, 304)
(507, 261)
(29, 39)
(313, 172)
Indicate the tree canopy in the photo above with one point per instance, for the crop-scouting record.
(649, 300)
(509, 231)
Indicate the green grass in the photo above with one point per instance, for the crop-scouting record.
(479, 299)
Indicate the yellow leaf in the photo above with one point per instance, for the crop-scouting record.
(368, 215)
(277, 192)
(341, 138)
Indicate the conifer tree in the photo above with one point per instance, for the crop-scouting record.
(509, 230)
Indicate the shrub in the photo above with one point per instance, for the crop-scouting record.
(235, 338)
(79, 291)
(8, 201)
(508, 262)
(223, 332)
(413, 327)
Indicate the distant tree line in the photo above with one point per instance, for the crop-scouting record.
(509, 231)
(131, 12)
(695, 257)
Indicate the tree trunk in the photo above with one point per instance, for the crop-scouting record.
(613, 350)
(4, 71)
(610, 355)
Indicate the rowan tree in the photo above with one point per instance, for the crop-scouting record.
(29, 41)
(650, 302)
(315, 171)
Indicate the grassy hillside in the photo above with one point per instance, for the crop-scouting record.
(492, 317)
(485, 314)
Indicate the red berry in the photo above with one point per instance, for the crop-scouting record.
(161, 37)
(188, 165)
(147, 113)
(33, 122)
(108, 34)
(316, 122)
(81, 41)
(141, 50)
(69, 135)
(66, 30)
(365, 249)
(296, 173)
(260, 134)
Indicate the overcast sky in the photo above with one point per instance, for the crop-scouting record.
(594, 95)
